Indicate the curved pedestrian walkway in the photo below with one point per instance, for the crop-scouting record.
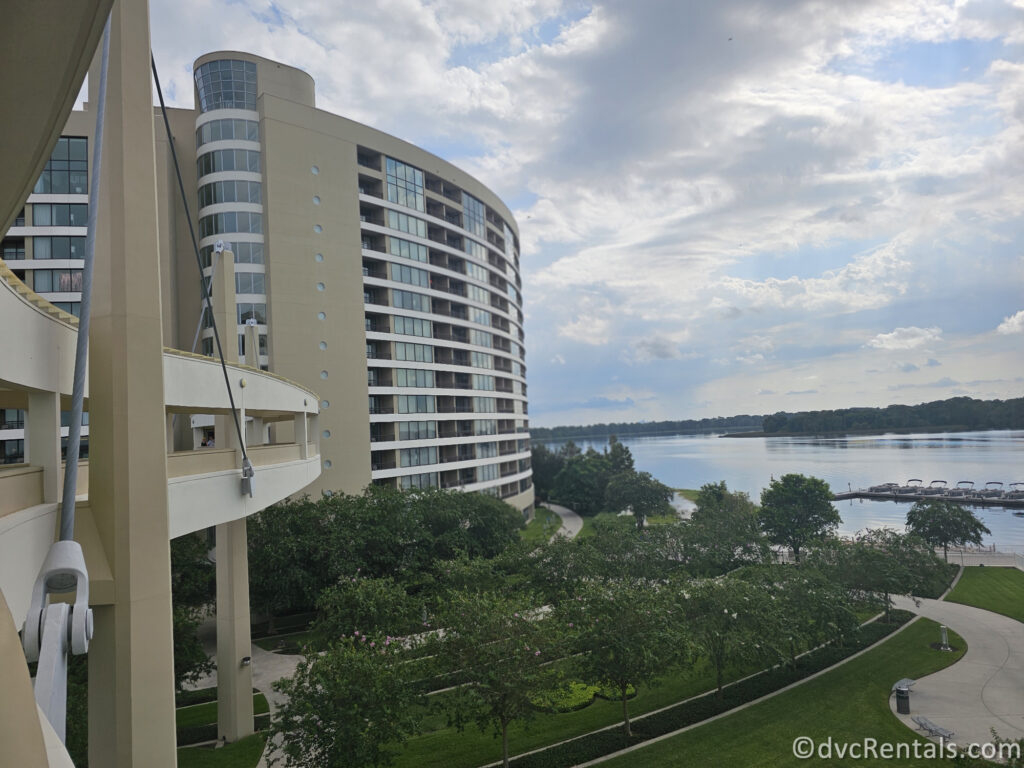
(985, 688)
(572, 523)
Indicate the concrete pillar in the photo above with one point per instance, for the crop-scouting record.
(131, 657)
(42, 441)
(234, 676)
(226, 317)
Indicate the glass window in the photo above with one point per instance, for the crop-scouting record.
(485, 427)
(481, 360)
(405, 184)
(474, 249)
(413, 377)
(226, 84)
(252, 311)
(480, 338)
(66, 172)
(245, 253)
(250, 282)
(486, 450)
(425, 480)
(412, 326)
(416, 457)
(483, 381)
(410, 300)
(487, 472)
(408, 224)
(231, 222)
(484, 405)
(478, 294)
(409, 352)
(416, 404)
(474, 215)
(12, 451)
(218, 130)
(403, 274)
(479, 316)
(408, 250)
(477, 272)
(13, 249)
(57, 280)
(230, 192)
(228, 160)
(417, 430)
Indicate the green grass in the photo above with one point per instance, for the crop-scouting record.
(848, 704)
(442, 746)
(662, 519)
(544, 525)
(587, 530)
(202, 714)
(244, 753)
(687, 493)
(1000, 590)
(285, 643)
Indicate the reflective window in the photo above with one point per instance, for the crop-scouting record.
(480, 338)
(477, 272)
(250, 282)
(474, 215)
(425, 480)
(12, 451)
(485, 427)
(228, 160)
(218, 130)
(226, 84)
(66, 172)
(487, 450)
(416, 404)
(13, 249)
(409, 352)
(412, 377)
(252, 311)
(412, 326)
(410, 300)
(245, 253)
(480, 316)
(478, 294)
(483, 382)
(416, 457)
(71, 307)
(487, 472)
(417, 430)
(232, 221)
(408, 224)
(230, 192)
(481, 360)
(484, 405)
(60, 215)
(411, 275)
(405, 185)
(58, 247)
(57, 280)
(408, 250)
(474, 249)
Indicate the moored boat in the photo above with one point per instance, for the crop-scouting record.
(935, 488)
(963, 488)
(1016, 491)
(913, 487)
(992, 490)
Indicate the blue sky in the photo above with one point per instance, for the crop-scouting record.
(729, 207)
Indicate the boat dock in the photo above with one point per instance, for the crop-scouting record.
(992, 495)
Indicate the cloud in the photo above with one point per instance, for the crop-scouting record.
(1013, 324)
(766, 392)
(907, 368)
(932, 363)
(802, 392)
(910, 337)
(558, 360)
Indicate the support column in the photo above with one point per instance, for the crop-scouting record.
(42, 440)
(234, 647)
(131, 657)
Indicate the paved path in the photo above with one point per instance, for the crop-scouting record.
(985, 688)
(572, 523)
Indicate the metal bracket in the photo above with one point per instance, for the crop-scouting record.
(248, 473)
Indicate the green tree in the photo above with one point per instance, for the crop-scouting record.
(504, 647)
(369, 606)
(723, 531)
(796, 510)
(581, 482)
(620, 458)
(346, 708)
(545, 465)
(730, 621)
(942, 523)
(639, 492)
(193, 590)
(624, 634)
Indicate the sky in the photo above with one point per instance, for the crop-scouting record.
(724, 207)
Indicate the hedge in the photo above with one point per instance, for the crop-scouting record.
(595, 745)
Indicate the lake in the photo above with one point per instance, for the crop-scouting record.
(749, 464)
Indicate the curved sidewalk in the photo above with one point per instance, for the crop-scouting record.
(572, 523)
(985, 688)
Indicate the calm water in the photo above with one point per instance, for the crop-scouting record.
(748, 464)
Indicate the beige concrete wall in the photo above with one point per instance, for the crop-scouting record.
(292, 147)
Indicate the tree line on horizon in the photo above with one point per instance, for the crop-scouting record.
(955, 413)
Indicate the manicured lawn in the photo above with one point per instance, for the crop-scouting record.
(687, 493)
(244, 753)
(544, 525)
(849, 704)
(445, 747)
(201, 714)
(1000, 590)
(587, 530)
(285, 643)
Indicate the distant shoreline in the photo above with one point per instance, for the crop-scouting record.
(876, 431)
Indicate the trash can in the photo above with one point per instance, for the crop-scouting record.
(903, 701)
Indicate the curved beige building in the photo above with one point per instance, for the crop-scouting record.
(377, 270)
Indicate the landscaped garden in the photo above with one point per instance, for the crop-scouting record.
(1000, 590)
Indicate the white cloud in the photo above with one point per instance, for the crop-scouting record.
(1013, 324)
(906, 338)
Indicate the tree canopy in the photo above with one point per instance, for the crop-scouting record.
(943, 523)
(796, 510)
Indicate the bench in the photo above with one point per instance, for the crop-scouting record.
(924, 724)
(903, 682)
